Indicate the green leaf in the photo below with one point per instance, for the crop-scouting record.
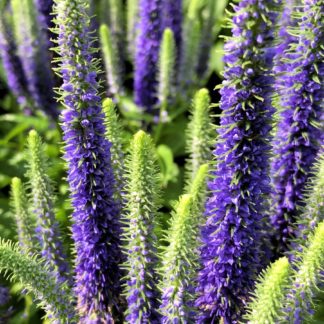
(169, 169)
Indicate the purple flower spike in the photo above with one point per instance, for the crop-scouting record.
(96, 227)
(232, 235)
(32, 47)
(298, 137)
(172, 18)
(12, 65)
(147, 53)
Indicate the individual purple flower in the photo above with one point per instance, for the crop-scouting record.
(298, 135)
(172, 18)
(12, 65)
(236, 209)
(96, 227)
(147, 53)
(32, 48)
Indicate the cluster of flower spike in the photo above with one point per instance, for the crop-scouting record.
(212, 253)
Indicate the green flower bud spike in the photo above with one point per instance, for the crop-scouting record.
(132, 20)
(179, 264)
(34, 275)
(22, 214)
(200, 135)
(269, 293)
(166, 70)
(114, 135)
(43, 207)
(142, 195)
(111, 60)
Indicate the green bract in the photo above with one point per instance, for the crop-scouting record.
(200, 134)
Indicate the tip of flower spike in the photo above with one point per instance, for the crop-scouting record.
(104, 30)
(168, 33)
(140, 136)
(202, 99)
(199, 180)
(33, 141)
(184, 203)
(32, 133)
(32, 137)
(16, 182)
(108, 103)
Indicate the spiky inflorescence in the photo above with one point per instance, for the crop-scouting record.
(32, 272)
(42, 195)
(172, 18)
(142, 194)
(114, 134)
(200, 134)
(269, 293)
(96, 223)
(298, 136)
(166, 75)
(190, 47)
(147, 54)
(230, 254)
(12, 65)
(110, 57)
(300, 300)
(32, 46)
(179, 264)
(179, 260)
(132, 27)
(22, 214)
